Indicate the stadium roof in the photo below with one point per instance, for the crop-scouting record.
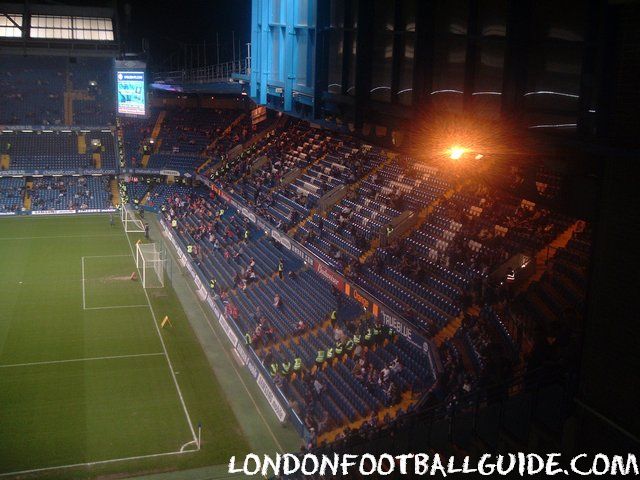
(78, 28)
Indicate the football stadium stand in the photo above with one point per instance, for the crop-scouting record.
(40, 150)
(70, 193)
(33, 91)
(11, 194)
(433, 250)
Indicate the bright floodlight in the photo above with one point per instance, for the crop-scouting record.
(456, 152)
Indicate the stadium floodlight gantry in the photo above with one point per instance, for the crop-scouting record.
(130, 221)
(150, 262)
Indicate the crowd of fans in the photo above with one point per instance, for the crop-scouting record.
(70, 193)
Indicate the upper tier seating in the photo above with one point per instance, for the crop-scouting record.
(189, 132)
(135, 131)
(32, 90)
(57, 150)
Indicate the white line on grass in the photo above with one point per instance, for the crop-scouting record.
(62, 236)
(90, 359)
(84, 298)
(164, 348)
(231, 361)
(116, 306)
(84, 301)
(90, 464)
(184, 447)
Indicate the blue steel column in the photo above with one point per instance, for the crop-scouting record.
(265, 48)
(259, 50)
(321, 70)
(255, 49)
(289, 46)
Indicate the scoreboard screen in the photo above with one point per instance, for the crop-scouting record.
(131, 92)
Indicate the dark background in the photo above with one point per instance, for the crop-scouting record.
(183, 33)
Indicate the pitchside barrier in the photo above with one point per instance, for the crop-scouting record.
(59, 212)
(67, 172)
(278, 402)
(367, 300)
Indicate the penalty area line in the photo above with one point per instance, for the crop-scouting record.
(91, 464)
(115, 306)
(84, 297)
(60, 236)
(89, 359)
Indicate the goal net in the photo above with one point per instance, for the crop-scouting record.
(150, 263)
(131, 222)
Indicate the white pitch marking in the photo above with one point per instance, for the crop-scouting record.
(84, 298)
(61, 236)
(230, 359)
(84, 301)
(183, 448)
(164, 348)
(90, 464)
(116, 306)
(89, 359)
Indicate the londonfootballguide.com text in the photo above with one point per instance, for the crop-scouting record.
(421, 464)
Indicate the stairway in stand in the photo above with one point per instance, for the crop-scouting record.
(5, 161)
(407, 399)
(157, 142)
(82, 144)
(115, 193)
(27, 195)
(145, 199)
(451, 328)
(546, 254)
(158, 126)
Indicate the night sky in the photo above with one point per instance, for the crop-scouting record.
(170, 25)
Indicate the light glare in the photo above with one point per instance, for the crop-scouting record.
(456, 152)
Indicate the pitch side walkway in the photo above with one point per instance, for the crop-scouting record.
(262, 429)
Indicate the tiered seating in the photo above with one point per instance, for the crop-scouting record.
(357, 385)
(11, 193)
(189, 132)
(57, 150)
(159, 193)
(136, 191)
(134, 132)
(32, 90)
(406, 186)
(96, 77)
(360, 382)
(70, 193)
(431, 277)
(558, 298)
(182, 163)
(295, 145)
(362, 216)
(184, 137)
(239, 134)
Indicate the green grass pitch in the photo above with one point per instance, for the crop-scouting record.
(88, 380)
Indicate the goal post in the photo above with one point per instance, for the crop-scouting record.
(150, 263)
(130, 221)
